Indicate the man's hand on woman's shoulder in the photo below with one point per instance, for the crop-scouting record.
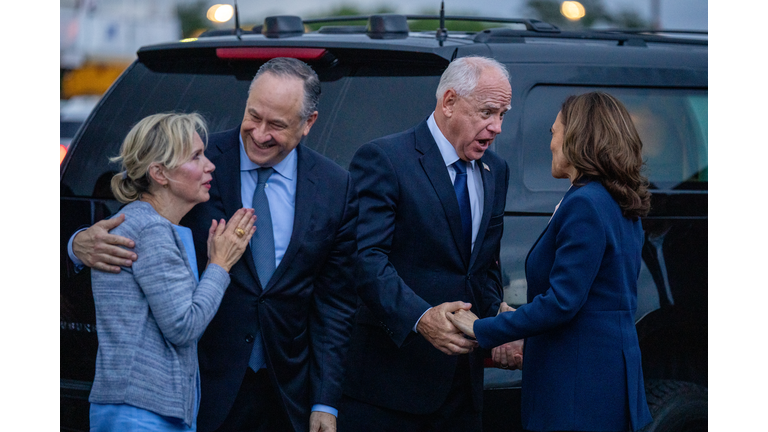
(99, 249)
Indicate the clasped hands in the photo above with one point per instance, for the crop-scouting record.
(449, 328)
(436, 328)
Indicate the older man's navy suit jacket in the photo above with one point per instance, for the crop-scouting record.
(409, 232)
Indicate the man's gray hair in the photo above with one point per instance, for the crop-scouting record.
(463, 74)
(290, 67)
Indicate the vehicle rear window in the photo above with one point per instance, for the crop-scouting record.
(362, 104)
(672, 124)
(68, 129)
(369, 107)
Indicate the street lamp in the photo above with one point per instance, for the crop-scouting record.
(572, 10)
(220, 13)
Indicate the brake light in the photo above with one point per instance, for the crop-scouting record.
(62, 153)
(263, 53)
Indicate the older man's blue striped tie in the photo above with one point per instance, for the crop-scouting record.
(263, 251)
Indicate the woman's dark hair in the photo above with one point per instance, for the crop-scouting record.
(293, 68)
(601, 142)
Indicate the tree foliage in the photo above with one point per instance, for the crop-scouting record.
(596, 15)
(192, 18)
(414, 25)
(346, 10)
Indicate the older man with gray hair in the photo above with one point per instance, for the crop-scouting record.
(431, 218)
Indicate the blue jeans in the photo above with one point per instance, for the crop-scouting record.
(127, 418)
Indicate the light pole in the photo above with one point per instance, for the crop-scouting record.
(656, 14)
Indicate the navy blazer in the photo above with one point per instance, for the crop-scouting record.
(305, 313)
(409, 234)
(582, 359)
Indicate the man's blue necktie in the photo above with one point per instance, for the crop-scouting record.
(263, 250)
(462, 194)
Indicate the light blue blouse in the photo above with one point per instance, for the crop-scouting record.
(189, 247)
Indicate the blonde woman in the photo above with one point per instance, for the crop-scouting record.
(150, 316)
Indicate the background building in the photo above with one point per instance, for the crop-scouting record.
(99, 39)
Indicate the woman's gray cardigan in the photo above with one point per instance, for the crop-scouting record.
(149, 318)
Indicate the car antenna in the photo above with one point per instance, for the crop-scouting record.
(442, 32)
(238, 32)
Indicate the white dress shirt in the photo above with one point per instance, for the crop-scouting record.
(474, 181)
(474, 177)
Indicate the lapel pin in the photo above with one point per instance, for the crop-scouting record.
(486, 167)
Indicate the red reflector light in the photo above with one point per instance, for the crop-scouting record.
(261, 53)
(62, 153)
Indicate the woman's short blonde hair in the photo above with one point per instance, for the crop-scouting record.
(164, 138)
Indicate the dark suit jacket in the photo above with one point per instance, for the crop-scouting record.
(306, 312)
(409, 234)
(582, 359)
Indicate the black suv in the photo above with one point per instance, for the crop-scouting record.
(381, 78)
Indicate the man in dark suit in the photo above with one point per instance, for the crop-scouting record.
(274, 351)
(431, 215)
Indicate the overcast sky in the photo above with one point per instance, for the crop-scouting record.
(675, 14)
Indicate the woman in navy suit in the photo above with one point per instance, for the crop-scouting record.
(582, 358)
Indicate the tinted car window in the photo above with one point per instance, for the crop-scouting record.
(68, 129)
(366, 104)
(672, 125)
(392, 104)
(219, 98)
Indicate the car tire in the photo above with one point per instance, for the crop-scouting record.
(676, 406)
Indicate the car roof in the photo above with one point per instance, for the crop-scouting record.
(387, 37)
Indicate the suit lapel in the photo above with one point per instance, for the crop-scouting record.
(227, 175)
(489, 193)
(305, 194)
(434, 166)
(568, 192)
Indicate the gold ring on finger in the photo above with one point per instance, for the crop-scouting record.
(240, 232)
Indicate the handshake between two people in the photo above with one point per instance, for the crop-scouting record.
(449, 328)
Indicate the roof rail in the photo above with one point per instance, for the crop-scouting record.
(379, 26)
(349, 29)
(530, 24)
(395, 26)
(654, 31)
(225, 32)
(621, 37)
